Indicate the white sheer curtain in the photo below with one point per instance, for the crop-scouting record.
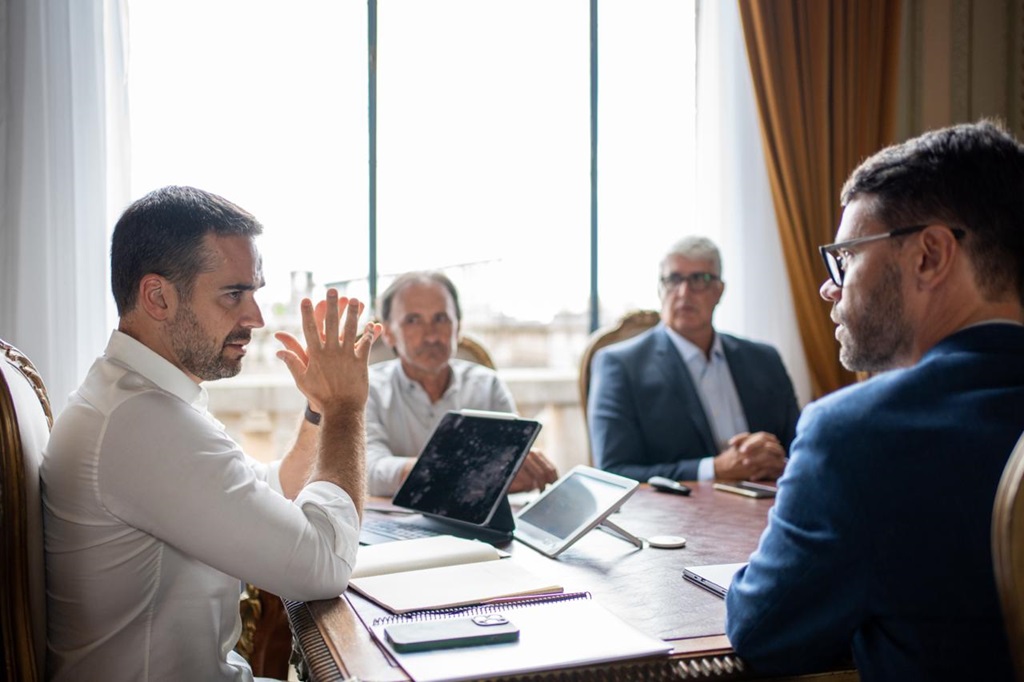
(734, 203)
(63, 180)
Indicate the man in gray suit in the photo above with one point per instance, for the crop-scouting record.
(684, 401)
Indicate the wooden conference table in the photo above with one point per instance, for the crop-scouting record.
(644, 587)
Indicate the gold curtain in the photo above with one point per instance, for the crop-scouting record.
(825, 74)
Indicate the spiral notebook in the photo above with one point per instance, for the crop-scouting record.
(555, 631)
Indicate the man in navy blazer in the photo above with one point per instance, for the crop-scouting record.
(879, 542)
(684, 401)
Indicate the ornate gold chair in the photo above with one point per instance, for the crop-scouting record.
(628, 326)
(469, 348)
(25, 421)
(1008, 551)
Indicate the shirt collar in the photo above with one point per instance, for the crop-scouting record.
(136, 356)
(690, 352)
(454, 383)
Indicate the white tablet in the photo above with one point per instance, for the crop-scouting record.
(575, 504)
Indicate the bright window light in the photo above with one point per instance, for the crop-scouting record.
(483, 134)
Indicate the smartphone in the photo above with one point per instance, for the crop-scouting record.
(747, 488)
(427, 635)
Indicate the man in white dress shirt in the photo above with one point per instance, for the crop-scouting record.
(153, 514)
(409, 395)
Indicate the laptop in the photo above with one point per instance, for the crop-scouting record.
(714, 578)
(460, 481)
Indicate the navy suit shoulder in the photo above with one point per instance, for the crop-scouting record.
(879, 542)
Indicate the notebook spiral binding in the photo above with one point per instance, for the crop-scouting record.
(437, 614)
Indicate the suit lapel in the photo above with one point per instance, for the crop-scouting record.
(678, 376)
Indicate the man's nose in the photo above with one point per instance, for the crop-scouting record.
(829, 291)
(253, 318)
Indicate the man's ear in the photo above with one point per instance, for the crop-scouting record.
(934, 263)
(387, 336)
(157, 297)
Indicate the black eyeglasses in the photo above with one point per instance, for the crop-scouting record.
(834, 260)
(697, 281)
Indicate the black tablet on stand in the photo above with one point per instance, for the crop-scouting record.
(459, 484)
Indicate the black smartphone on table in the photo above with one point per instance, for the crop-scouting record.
(427, 635)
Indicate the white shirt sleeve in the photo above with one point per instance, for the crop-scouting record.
(501, 397)
(383, 467)
(706, 469)
(184, 481)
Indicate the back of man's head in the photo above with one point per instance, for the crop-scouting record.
(387, 299)
(163, 232)
(968, 176)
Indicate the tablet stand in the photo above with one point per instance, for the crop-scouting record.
(623, 534)
(497, 531)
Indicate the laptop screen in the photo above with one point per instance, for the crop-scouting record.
(467, 465)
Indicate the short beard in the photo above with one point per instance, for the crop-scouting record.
(195, 352)
(880, 337)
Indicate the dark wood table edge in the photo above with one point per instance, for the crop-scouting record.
(311, 655)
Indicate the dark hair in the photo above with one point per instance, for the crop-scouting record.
(969, 176)
(424, 276)
(163, 232)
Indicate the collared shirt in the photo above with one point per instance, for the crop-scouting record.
(153, 516)
(717, 391)
(400, 416)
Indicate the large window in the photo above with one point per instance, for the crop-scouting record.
(483, 148)
(483, 139)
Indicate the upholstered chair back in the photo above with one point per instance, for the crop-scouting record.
(1008, 551)
(25, 421)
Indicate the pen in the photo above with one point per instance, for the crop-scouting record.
(539, 595)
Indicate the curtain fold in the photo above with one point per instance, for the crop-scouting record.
(64, 111)
(825, 76)
(730, 164)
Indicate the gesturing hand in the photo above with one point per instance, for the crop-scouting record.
(332, 367)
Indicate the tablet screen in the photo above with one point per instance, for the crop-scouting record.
(467, 465)
(575, 504)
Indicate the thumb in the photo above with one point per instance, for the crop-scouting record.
(292, 362)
